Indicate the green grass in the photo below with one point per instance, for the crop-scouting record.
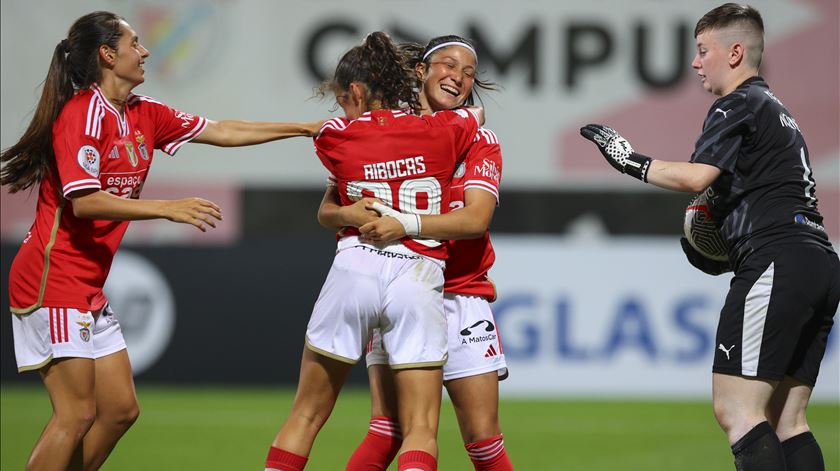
(215, 428)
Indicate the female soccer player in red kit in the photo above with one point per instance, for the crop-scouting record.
(446, 66)
(88, 149)
(405, 161)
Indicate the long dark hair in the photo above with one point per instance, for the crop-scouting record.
(74, 65)
(413, 54)
(378, 64)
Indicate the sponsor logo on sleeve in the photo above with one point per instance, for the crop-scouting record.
(88, 158)
(186, 119)
(488, 169)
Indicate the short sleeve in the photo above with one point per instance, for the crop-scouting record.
(173, 128)
(77, 148)
(724, 130)
(464, 124)
(483, 163)
(326, 140)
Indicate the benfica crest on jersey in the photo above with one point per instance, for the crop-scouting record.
(84, 332)
(132, 157)
(141, 145)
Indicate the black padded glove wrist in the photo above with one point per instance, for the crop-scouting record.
(617, 150)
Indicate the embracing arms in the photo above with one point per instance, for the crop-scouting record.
(469, 222)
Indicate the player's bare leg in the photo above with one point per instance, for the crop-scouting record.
(786, 412)
(116, 408)
(740, 403)
(383, 398)
(321, 379)
(70, 384)
(418, 400)
(476, 403)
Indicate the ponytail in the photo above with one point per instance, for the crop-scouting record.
(379, 65)
(74, 65)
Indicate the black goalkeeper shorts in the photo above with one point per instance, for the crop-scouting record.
(778, 314)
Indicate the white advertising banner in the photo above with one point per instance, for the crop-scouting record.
(612, 317)
(560, 65)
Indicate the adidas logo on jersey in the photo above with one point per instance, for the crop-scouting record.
(491, 351)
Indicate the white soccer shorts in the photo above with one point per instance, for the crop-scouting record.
(398, 293)
(474, 344)
(54, 332)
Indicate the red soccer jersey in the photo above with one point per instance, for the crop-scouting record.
(64, 260)
(402, 159)
(470, 260)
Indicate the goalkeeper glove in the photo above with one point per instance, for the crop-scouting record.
(702, 263)
(410, 222)
(617, 150)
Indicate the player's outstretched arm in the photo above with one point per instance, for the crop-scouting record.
(332, 215)
(682, 176)
(678, 176)
(98, 204)
(469, 222)
(236, 133)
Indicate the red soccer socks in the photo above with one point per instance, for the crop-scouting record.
(281, 460)
(489, 455)
(416, 460)
(379, 446)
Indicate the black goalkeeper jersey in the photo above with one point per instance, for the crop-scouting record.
(766, 192)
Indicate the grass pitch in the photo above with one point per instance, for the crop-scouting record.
(218, 428)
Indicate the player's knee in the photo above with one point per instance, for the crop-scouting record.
(726, 415)
(311, 418)
(481, 428)
(77, 420)
(790, 426)
(125, 416)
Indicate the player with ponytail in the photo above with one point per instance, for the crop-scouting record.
(380, 149)
(447, 69)
(87, 128)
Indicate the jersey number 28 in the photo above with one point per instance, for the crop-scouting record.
(408, 197)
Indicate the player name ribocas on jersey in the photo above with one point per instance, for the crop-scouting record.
(470, 260)
(766, 191)
(402, 159)
(64, 260)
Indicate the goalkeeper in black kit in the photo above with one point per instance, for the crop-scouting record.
(775, 323)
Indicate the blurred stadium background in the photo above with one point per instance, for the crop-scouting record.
(609, 333)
